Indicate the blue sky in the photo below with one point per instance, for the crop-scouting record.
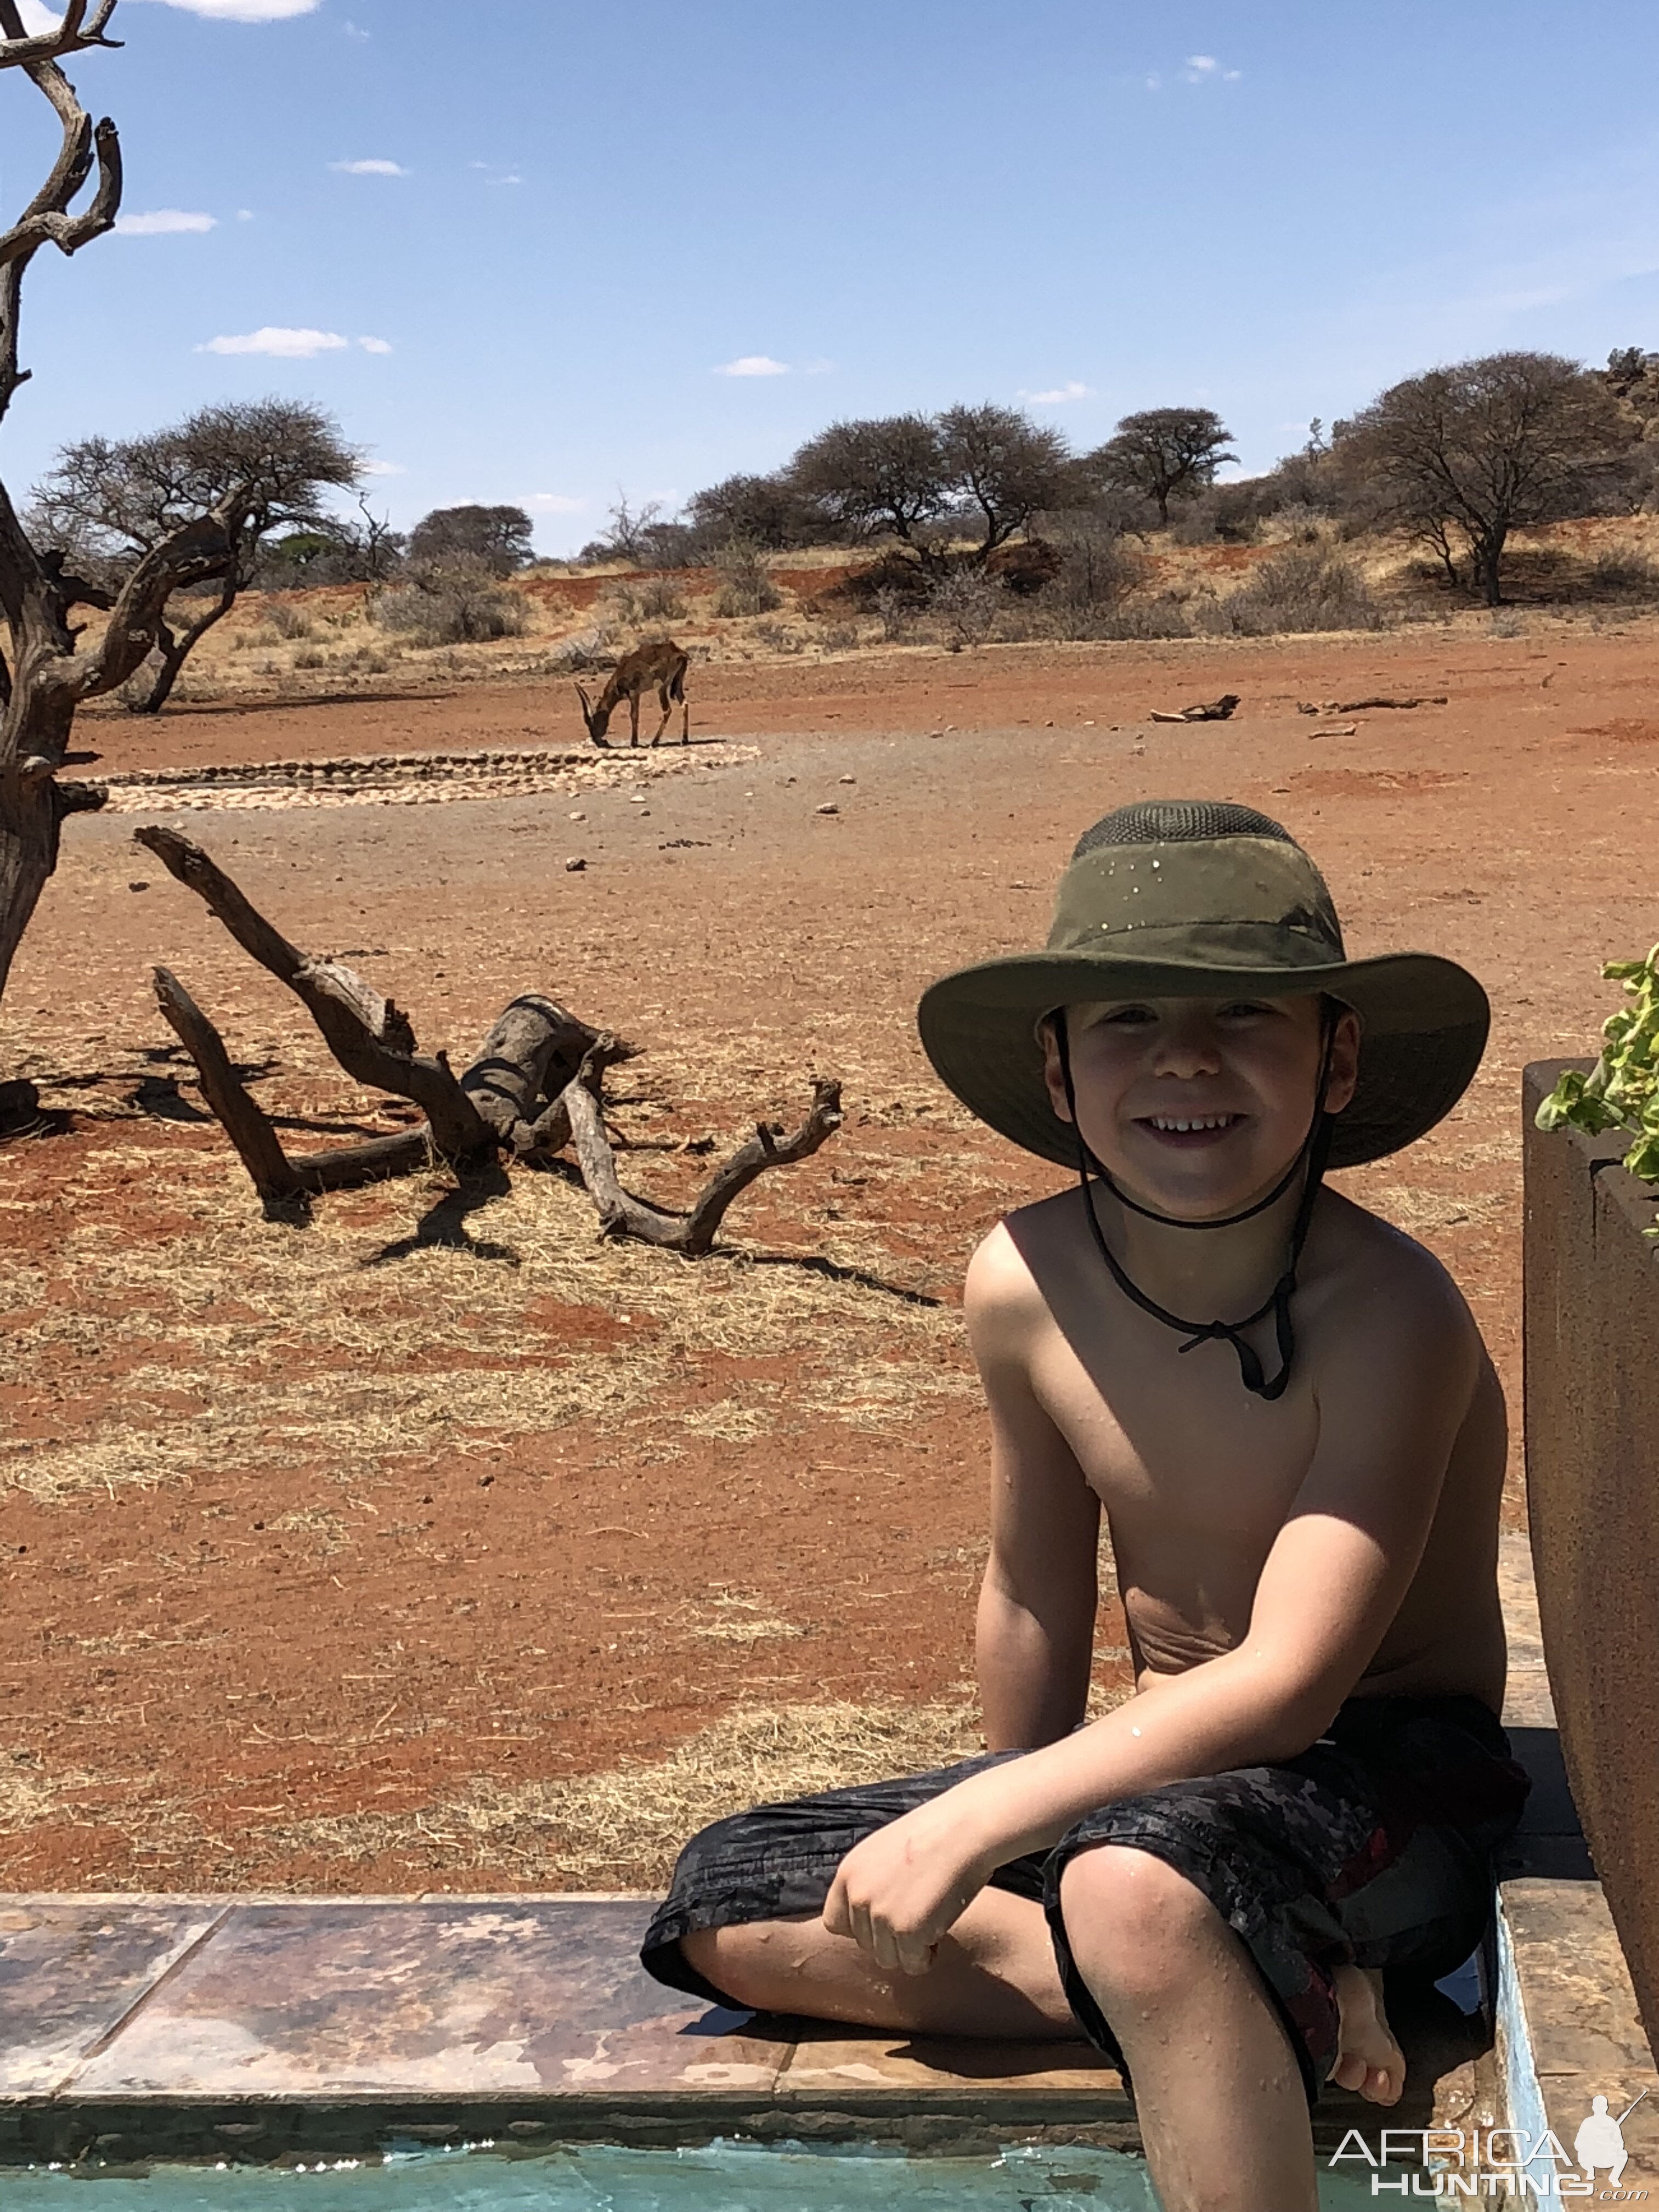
(537, 235)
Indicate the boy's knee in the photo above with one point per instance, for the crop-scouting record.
(1132, 1921)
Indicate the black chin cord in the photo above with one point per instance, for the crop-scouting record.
(1312, 1154)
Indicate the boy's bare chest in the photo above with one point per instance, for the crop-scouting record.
(1196, 1477)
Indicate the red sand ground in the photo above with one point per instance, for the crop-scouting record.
(508, 1603)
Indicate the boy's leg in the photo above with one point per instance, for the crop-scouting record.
(993, 1974)
(1218, 2090)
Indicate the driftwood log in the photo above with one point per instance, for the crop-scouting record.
(537, 1086)
(1211, 710)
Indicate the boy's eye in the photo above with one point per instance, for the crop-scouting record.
(1245, 1010)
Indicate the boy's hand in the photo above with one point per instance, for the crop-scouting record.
(899, 1892)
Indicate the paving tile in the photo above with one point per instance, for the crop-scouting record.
(824, 2061)
(332, 1997)
(72, 1967)
(1575, 1995)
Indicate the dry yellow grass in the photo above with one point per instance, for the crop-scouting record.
(623, 1828)
(236, 1343)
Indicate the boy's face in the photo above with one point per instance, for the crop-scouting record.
(1197, 1106)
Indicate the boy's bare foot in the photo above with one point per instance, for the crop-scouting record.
(1368, 2059)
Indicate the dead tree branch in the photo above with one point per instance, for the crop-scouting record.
(370, 1037)
(536, 1085)
(240, 1116)
(693, 1232)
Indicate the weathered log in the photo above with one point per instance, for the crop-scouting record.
(243, 1120)
(348, 1167)
(533, 1051)
(1213, 710)
(370, 1037)
(693, 1233)
(538, 1055)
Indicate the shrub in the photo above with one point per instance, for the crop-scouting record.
(583, 650)
(653, 598)
(745, 588)
(289, 621)
(1622, 572)
(964, 605)
(455, 603)
(779, 637)
(1303, 588)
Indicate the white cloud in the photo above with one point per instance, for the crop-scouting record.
(385, 469)
(246, 11)
(1059, 395)
(37, 19)
(1204, 69)
(753, 364)
(372, 168)
(555, 502)
(283, 344)
(1202, 64)
(244, 214)
(161, 222)
(376, 345)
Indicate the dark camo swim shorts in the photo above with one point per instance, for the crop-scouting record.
(1372, 1847)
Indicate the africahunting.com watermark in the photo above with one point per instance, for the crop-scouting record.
(1481, 2163)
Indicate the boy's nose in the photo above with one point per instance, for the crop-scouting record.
(1187, 1048)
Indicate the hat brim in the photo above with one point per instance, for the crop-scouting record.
(1423, 1019)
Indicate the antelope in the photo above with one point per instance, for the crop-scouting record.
(661, 662)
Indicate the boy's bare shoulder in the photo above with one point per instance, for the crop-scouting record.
(1366, 1264)
(1001, 1296)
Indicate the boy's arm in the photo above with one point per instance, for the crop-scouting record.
(1034, 1630)
(1393, 1396)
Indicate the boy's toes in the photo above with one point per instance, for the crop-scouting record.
(1349, 2071)
(1383, 2085)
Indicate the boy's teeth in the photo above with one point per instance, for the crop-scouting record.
(1203, 1121)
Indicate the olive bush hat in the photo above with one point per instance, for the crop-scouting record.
(1200, 899)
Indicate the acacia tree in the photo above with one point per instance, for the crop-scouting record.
(493, 537)
(1003, 467)
(264, 464)
(1163, 454)
(887, 473)
(1464, 455)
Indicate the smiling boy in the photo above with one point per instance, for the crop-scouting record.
(1284, 1410)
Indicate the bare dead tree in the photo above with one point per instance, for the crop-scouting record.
(536, 1085)
(43, 676)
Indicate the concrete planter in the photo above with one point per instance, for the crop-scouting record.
(1592, 1410)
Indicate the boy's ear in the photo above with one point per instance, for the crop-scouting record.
(1344, 1061)
(1053, 1074)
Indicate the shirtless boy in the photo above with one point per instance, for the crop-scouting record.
(1284, 1410)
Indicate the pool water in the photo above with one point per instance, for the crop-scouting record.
(717, 2176)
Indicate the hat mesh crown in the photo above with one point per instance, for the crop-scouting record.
(1179, 822)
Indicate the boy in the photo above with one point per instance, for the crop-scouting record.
(1301, 1494)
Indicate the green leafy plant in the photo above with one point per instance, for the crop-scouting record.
(1621, 1092)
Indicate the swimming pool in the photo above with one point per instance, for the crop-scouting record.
(726, 2176)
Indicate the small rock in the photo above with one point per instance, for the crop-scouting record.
(828, 808)
(574, 865)
(579, 816)
(137, 887)
(846, 778)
